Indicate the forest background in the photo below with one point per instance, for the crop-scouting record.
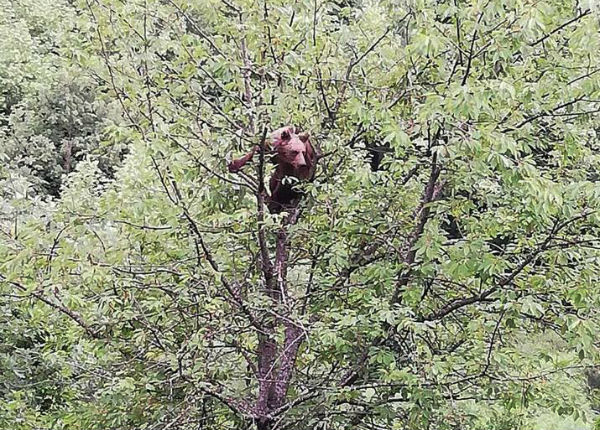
(440, 272)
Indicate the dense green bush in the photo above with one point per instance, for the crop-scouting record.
(51, 112)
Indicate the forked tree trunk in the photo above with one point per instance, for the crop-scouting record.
(276, 361)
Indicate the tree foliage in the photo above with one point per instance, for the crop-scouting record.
(440, 272)
(52, 114)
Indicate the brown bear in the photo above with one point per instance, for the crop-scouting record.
(294, 156)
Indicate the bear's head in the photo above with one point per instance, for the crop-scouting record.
(293, 149)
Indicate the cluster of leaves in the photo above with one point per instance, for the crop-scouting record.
(52, 114)
(453, 223)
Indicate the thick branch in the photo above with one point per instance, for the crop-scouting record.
(430, 194)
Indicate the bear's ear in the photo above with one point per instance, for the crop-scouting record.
(304, 137)
(285, 135)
